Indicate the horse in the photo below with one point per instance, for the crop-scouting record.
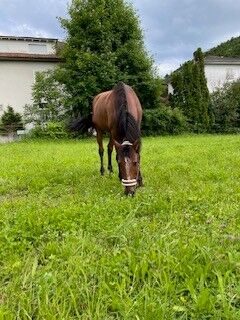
(119, 112)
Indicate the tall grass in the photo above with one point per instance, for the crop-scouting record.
(72, 246)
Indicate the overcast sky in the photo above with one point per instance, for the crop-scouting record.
(173, 29)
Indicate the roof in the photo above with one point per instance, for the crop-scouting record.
(209, 60)
(5, 56)
(33, 39)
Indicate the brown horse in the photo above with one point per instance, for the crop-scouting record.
(118, 112)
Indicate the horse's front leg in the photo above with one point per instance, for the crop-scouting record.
(119, 173)
(140, 181)
(100, 150)
(110, 149)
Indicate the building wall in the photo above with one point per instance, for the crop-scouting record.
(218, 75)
(18, 46)
(16, 81)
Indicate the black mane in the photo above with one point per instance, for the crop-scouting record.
(127, 128)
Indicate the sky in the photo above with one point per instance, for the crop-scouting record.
(173, 29)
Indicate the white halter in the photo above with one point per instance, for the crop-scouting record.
(129, 183)
(126, 143)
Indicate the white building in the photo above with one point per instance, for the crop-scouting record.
(219, 70)
(20, 59)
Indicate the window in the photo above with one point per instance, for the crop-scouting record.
(37, 48)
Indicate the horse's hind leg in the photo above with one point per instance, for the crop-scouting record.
(100, 150)
(110, 149)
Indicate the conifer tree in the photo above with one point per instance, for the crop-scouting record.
(191, 94)
(204, 96)
(11, 120)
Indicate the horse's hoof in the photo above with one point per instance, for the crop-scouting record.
(129, 193)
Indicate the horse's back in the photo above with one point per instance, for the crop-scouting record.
(103, 110)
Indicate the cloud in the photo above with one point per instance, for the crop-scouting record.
(25, 29)
(31, 18)
(173, 29)
(167, 66)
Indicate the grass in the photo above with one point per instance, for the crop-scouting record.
(72, 246)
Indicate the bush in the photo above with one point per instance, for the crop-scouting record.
(53, 130)
(11, 121)
(225, 107)
(162, 121)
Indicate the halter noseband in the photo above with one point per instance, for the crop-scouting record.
(130, 182)
(126, 143)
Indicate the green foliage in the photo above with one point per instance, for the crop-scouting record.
(163, 121)
(191, 94)
(225, 104)
(104, 46)
(50, 100)
(73, 247)
(230, 48)
(52, 130)
(11, 121)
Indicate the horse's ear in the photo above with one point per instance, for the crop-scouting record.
(136, 145)
(117, 145)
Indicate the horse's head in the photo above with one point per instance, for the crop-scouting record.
(128, 159)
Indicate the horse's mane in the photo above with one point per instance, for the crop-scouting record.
(127, 128)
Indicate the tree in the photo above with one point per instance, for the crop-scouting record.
(177, 81)
(204, 97)
(50, 99)
(191, 94)
(105, 45)
(11, 121)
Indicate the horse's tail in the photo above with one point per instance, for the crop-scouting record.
(81, 124)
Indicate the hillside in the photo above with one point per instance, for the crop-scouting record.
(230, 48)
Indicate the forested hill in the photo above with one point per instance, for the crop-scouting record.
(230, 48)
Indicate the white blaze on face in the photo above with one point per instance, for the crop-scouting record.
(128, 182)
(127, 161)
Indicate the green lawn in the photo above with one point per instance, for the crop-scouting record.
(72, 246)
